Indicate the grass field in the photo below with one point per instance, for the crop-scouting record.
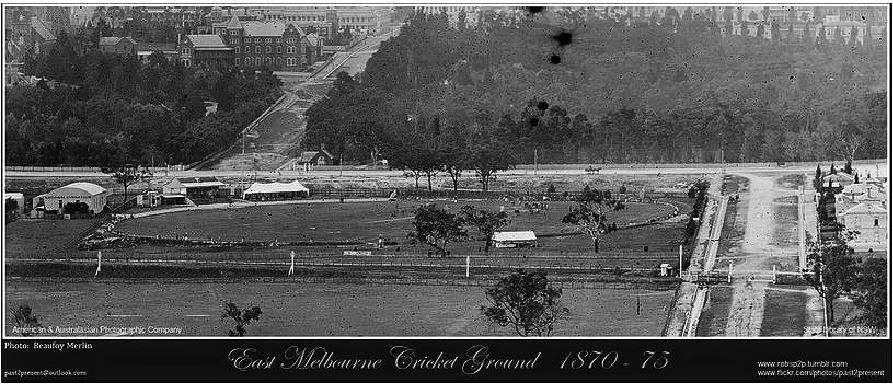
(315, 309)
(37, 238)
(716, 312)
(364, 222)
(784, 313)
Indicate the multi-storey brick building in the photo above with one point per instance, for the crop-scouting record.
(256, 44)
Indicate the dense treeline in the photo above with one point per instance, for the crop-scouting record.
(604, 91)
(101, 109)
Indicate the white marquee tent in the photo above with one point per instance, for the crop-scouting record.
(275, 191)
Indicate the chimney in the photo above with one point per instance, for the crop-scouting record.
(322, 147)
(178, 39)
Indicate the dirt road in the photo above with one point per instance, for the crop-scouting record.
(277, 136)
(764, 246)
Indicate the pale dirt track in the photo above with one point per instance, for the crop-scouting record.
(759, 252)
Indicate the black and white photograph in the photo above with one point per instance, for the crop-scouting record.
(380, 173)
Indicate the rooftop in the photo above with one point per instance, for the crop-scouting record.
(207, 42)
(90, 188)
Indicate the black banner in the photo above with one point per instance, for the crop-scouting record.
(446, 360)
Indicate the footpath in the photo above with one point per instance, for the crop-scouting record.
(683, 320)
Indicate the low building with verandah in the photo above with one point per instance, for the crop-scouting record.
(192, 187)
(516, 239)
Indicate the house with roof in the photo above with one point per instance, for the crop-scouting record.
(55, 201)
(837, 181)
(145, 50)
(308, 159)
(869, 218)
(121, 46)
(205, 51)
(313, 48)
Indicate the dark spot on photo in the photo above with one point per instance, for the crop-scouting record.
(543, 105)
(564, 38)
(534, 121)
(534, 9)
(555, 59)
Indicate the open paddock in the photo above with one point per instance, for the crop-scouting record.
(301, 308)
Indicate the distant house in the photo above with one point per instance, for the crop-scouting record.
(56, 200)
(18, 198)
(514, 239)
(860, 192)
(870, 220)
(168, 51)
(838, 180)
(121, 46)
(192, 187)
(312, 48)
(206, 51)
(155, 198)
(313, 158)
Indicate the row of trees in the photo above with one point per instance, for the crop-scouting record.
(608, 92)
(835, 269)
(106, 109)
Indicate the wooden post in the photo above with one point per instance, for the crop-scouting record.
(680, 261)
(730, 271)
(98, 264)
(467, 266)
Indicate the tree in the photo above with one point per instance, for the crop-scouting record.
(128, 175)
(436, 227)
(454, 160)
(11, 205)
(871, 292)
(850, 143)
(848, 167)
(526, 302)
(588, 216)
(834, 269)
(817, 181)
(242, 318)
(488, 159)
(23, 317)
(417, 159)
(486, 222)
